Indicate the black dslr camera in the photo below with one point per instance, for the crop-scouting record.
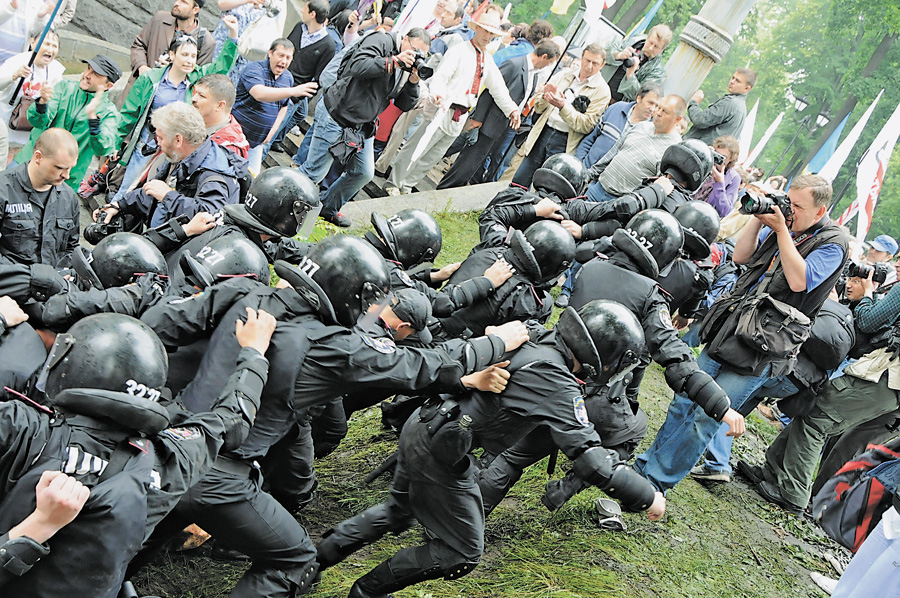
(97, 231)
(420, 63)
(718, 159)
(766, 204)
(863, 270)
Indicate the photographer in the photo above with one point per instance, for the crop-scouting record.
(638, 60)
(798, 258)
(881, 251)
(372, 73)
(862, 394)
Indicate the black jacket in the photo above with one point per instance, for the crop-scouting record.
(366, 79)
(34, 230)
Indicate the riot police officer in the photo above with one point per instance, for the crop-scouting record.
(434, 480)
(105, 426)
(641, 252)
(324, 347)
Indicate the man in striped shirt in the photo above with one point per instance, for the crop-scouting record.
(636, 155)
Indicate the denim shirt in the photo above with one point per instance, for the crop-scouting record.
(888, 474)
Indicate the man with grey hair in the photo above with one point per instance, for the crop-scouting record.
(199, 175)
(637, 60)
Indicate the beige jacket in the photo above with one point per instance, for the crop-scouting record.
(579, 124)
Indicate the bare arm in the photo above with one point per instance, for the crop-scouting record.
(747, 242)
(261, 93)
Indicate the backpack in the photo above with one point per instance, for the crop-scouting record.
(850, 504)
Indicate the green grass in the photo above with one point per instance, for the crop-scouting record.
(719, 540)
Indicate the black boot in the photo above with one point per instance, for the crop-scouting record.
(409, 566)
(358, 531)
(557, 492)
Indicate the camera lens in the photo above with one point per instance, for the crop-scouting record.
(94, 233)
(628, 62)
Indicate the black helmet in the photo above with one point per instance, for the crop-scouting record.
(116, 260)
(688, 162)
(412, 237)
(543, 251)
(700, 224)
(107, 352)
(281, 202)
(345, 274)
(562, 175)
(225, 257)
(653, 239)
(605, 337)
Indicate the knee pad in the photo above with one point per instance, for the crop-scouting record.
(460, 570)
(303, 578)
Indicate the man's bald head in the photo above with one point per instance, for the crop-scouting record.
(53, 141)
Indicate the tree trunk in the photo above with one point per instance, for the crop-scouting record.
(635, 11)
(850, 103)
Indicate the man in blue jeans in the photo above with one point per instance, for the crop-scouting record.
(801, 258)
(373, 72)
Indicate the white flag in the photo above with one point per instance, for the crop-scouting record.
(762, 142)
(837, 159)
(418, 13)
(747, 132)
(870, 174)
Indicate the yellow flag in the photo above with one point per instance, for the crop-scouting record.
(561, 7)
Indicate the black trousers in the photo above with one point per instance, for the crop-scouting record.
(469, 165)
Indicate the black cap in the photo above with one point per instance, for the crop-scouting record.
(199, 3)
(414, 307)
(104, 65)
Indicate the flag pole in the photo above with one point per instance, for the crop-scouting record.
(37, 47)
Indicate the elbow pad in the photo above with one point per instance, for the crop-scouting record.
(595, 466)
(470, 291)
(442, 306)
(483, 351)
(678, 373)
(703, 390)
(20, 554)
(629, 488)
(46, 282)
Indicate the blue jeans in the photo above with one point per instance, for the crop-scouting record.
(718, 455)
(549, 143)
(691, 338)
(357, 172)
(687, 431)
(136, 165)
(296, 112)
(596, 192)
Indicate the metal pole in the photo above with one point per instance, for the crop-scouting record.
(37, 47)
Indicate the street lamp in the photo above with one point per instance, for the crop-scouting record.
(822, 120)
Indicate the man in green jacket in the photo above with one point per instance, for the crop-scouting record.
(83, 109)
(635, 61)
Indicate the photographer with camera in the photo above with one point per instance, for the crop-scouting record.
(881, 251)
(454, 90)
(792, 265)
(38, 212)
(374, 71)
(638, 60)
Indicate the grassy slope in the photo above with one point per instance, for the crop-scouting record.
(719, 540)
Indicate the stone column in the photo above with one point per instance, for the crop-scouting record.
(704, 41)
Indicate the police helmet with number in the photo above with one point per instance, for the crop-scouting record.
(342, 277)
(109, 366)
(562, 175)
(604, 336)
(700, 224)
(229, 256)
(543, 251)
(652, 239)
(281, 202)
(689, 163)
(411, 237)
(116, 260)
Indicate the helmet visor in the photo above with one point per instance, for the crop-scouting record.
(62, 345)
(306, 218)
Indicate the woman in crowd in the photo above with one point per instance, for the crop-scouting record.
(45, 71)
(720, 190)
(246, 12)
(159, 87)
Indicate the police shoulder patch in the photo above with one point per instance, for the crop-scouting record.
(665, 318)
(182, 433)
(405, 279)
(382, 345)
(581, 411)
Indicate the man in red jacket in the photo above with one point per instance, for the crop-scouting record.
(213, 97)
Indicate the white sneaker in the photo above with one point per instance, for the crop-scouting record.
(825, 583)
(295, 130)
(704, 473)
(392, 191)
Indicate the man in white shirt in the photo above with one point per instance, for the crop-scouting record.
(454, 89)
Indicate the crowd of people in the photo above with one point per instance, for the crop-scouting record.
(158, 382)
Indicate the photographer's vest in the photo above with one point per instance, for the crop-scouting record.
(806, 242)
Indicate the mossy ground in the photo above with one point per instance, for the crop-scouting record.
(719, 540)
